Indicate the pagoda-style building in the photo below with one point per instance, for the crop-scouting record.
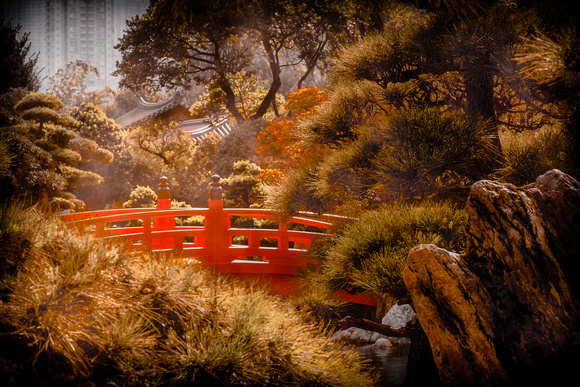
(173, 110)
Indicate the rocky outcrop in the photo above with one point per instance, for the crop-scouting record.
(506, 312)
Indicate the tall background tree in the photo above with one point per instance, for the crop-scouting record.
(69, 85)
(178, 43)
(17, 63)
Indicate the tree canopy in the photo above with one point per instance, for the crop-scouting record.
(178, 43)
(68, 84)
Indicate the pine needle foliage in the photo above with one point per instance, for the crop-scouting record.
(553, 62)
(337, 119)
(23, 230)
(531, 155)
(84, 311)
(412, 155)
(385, 57)
(299, 193)
(370, 253)
(421, 146)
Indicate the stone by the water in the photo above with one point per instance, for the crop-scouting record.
(357, 335)
(383, 343)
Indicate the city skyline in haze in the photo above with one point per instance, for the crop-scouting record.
(62, 31)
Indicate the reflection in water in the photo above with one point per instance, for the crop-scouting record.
(392, 363)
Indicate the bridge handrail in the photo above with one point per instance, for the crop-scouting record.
(217, 221)
(109, 216)
(112, 216)
(255, 212)
(101, 213)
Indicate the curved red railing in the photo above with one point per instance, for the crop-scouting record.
(274, 254)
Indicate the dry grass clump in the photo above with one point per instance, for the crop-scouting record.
(529, 155)
(79, 310)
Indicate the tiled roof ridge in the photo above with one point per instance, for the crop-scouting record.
(155, 109)
(197, 128)
(155, 105)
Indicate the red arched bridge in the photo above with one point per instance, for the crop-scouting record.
(275, 254)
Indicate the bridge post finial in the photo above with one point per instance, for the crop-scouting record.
(163, 190)
(215, 191)
(164, 222)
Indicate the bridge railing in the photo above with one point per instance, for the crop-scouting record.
(274, 252)
(216, 240)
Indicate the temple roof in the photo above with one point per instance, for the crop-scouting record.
(201, 127)
(148, 110)
(198, 128)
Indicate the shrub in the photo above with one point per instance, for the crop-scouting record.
(371, 252)
(141, 197)
(529, 155)
(22, 233)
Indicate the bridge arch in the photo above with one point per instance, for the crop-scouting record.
(274, 254)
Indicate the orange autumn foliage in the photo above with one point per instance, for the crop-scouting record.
(305, 99)
(277, 145)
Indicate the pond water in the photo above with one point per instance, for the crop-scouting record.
(392, 363)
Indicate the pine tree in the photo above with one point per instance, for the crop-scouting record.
(17, 63)
(415, 110)
(48, 153)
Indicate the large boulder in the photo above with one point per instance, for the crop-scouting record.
(506, 312)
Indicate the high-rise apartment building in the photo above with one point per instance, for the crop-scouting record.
(62, 31)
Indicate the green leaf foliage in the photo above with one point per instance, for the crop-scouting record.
(239, 145)
(76, 177)
(67, 156)
(60, 136)
(41, 114)
(243, 188)
(49, 153)
(95, 125)
(141, 197)
(17, 63)
(68, 84)
(90, 150)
